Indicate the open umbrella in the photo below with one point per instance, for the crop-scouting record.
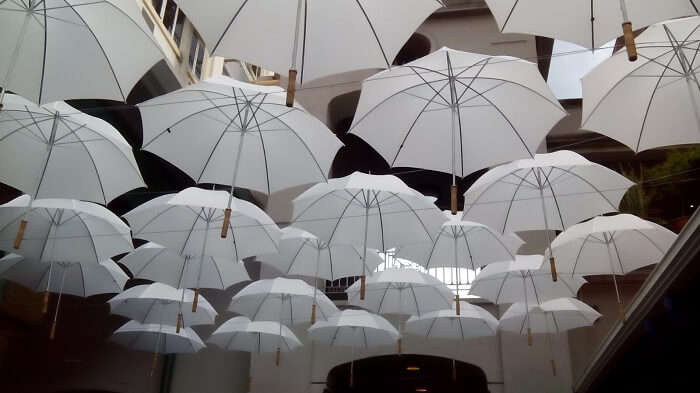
(314, 37)
(552, 191)
(76, 278)
(224, 131)
(552, 316)
(156, 302)
(154, 262)
(190, 222)
(586, 23)
(61, 49)
(379, 212)
(614, 245)
(456, 112)
(653, 102)
(355, 329)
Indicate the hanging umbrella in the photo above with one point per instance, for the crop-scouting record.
(242, 334)
(653, 102)
(550, 192)
(356, 329)
(224, 131)
(456, 112)
(587, 23)
(154, 262)
(282, 300)
(54, 50)
(190, 223)
(379, 212)
(82, 279)
(614, 245)
(553, 316)
(156, 302)
(158, 338)
(315, 38)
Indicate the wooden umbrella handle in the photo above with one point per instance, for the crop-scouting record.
(629, 41)
(313, 314)
(553, 268)
(291, 87)
(453, 199)
(20, 234)
(278, 354)
(196, 299)
(179, 323)
(45, 305)
(227, 222)
(457, 305)
(362, 287)
(52, 333)
(529, 337)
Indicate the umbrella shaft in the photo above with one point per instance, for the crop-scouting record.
(15, 54)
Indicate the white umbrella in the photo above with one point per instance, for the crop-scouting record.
(552, 191)
(586, 23)
(191, 221)
(456, 112)
(356, 329)
(156, 302)
(78, 279)
(315, 37)
(59, 49)
(242, 334)
(614, 245)
(653, 102)
(379, 212)
(224, 131)
(154, 262)
(158, 338)
(553, 316)
(304, 254)
(282, 300)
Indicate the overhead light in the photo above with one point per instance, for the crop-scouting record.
(413, 368)
(421, 390)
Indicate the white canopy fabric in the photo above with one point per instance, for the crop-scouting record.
(242, 334)
(282, 300)
(462, 244)
(590, 24)
(63, 231)
(55, 151)
(74, 49)
(303, 254)
(407, 115)
(190, 221)
(551, 191)
(157, 338)
(553, 316)
(77, 279)
(228, 132)
(524, 280)
(333, 36)
(611, 245)
(354, 328)
(652, 102)
(154, 262)
(401, 291)
(156, 303)
(472, 322)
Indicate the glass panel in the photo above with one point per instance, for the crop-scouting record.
(169, 15)
(200, 60)
(157, 5)
(179, 25)
(193, 50)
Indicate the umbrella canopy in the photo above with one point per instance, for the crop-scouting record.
(551, 191)
(157, 338)
(315, 37)
(462, 244)
(590, 24)
(401, 291)
(638, 103)
(524, 280)
(154, 262)
(611, 245)
(190, 222)
(553, 316)
(63, 231)
(228, 132)
(303, 254)
(448, 110)
(242, 334)
(282, 300)
(55, 151)
(156, 303)
(472, 322)
(59, 49)
(354, 328)
(77, 279)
